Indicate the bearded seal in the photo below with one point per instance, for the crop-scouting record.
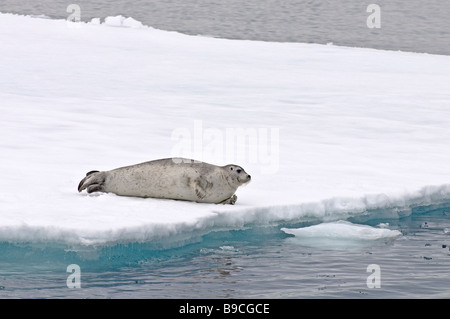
(170, 178)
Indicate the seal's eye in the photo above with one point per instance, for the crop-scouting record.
(239, 170)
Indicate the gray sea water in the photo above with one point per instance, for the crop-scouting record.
(407, 25)
(257, 262)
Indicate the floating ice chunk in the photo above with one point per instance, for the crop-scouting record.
(341, 234)
(95, 21)
(121, 21)
(343, 230)
(132, 23)
(116, 21)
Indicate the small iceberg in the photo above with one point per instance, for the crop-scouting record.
(340, 235)
(121, 21)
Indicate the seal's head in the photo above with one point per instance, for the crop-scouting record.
(237, 175)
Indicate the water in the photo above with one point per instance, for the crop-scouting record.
(252, 263)
(415, 25)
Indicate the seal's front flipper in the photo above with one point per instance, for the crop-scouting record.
(232, 200)
(93, 182)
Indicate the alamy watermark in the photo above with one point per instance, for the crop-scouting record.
(74, 279)
(374, 19)
(75, 12)
(74, 16)
(374, 279)
(232, 145)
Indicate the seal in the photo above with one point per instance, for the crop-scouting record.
(170, 178)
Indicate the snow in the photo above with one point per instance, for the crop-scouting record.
(330, 132)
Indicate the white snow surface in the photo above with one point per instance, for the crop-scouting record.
(354, 129)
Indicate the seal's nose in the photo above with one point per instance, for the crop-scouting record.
(249, 177)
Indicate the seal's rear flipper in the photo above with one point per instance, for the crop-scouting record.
(94, 188)
(93, 182)
(91, 172)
